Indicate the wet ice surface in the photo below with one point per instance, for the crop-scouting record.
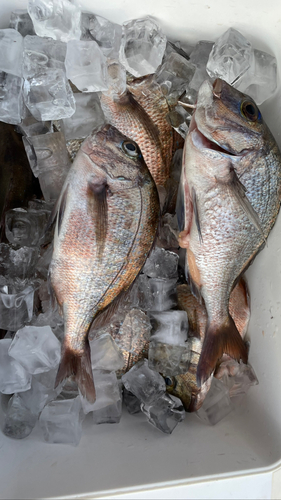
(168, 359)
(61, 421)
(142, 46)
(170, 327)
(146, 384)
(19, 421)
(11, 51)
(11, 98)
(105, 33)
(217, 404)
(165, 413)
(88, 115)
(21, 21)
(86, 65)
(58, 19)
(13, 377)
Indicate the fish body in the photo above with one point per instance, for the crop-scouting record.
(185, 385)
(107, 219)
(230, 197)
(140, 113)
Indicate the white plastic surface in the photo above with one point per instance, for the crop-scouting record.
(132, 455)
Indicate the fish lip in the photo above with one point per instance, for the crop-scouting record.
(209, 144)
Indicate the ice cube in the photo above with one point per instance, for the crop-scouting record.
(105, 354)
(174, 76)
(161, 264)
(146, 384)
(86, 66)
(16, 305)
(116, 79)
(163, 293)
(25, 227)
(11, 98)
(107, 391)
(168, 232)
(13, 377)
(19, 421)
(61, 421)
(142, 46)
(260, 81)
(168, 359)
(30, 126)
(133, 337)
(199, 57)
(17, 262)
(48, 95)
(11, 46)
(41, 392)
(41, 53)
(104, 32)
(132, 403)
(49, 162)
(237, 377)
(165, 413)
(170, 327)
(58, 19)
(21, 21)
(88, 115)
(109, 414)
(217, 404)
(230, 56)
(36, 349)
(179, 119)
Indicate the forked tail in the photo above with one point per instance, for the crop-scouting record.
(224, 339)
(79, 366)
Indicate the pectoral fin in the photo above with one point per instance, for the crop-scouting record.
(97, 202)
(239, 191)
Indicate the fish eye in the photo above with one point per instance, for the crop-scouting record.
(250, 111)
(131, 149)
(168, 381)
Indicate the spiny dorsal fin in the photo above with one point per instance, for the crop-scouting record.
(98, 189)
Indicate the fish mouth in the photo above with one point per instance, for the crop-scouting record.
(200, 141)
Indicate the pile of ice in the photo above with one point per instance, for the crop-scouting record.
(54, 62)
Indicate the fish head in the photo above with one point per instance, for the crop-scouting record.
(117, 156)
(228, 121)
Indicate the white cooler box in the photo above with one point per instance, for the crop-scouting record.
(237, 457)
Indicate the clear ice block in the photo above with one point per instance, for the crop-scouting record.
(131, 402)
(21, 21)
(165, 413)
(109, 414)
(105, 354)
(163, 294)
(168, 359)
(230, 56)
(199, 57)
(88, 115)
(11, 98)
(19, 421)
(107, 391)
(25, 227)
(104, 32)
(61, 421)
(13, 377)
(48, 95)
(17, 263)
(30, 126)
(16, 305)
(238, 377)
(161, 264)
(41, 392)
(86, 66)
(146, 384)
(217, 404)
(58, 19)
(179, 119)
(41, 53)
(11, 44)
(36, 348)
(174, 75)
(49, 161)
(170, 327)
(142, 46)
(260, 81)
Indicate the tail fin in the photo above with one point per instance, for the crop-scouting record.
(79, 366)
(219, 340)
